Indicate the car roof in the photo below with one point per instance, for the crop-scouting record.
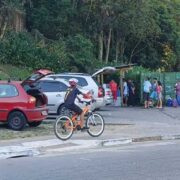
(10, 82)
(71, 74)
(57, 79)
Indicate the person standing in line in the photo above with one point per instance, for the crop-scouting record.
(113, 86)
(131, 90)
(153, 95)
(146, 91)
(177, 90)
(125, 93)
(159, 94)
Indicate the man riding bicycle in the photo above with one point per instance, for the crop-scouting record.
(69, 101)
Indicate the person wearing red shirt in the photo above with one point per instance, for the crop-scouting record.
(113, 86)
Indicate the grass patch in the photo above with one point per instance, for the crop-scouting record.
(12, 72)
(44, 129)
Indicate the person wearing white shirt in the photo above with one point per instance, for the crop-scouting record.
(146, 89)
(125, 92)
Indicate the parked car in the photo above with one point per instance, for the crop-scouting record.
(55, 90)
(87, 83)
(21, 103)
(108, 94)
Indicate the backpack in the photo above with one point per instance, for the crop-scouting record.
(169, 103)
(175, 103)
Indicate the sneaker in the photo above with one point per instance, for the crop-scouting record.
(78, 127)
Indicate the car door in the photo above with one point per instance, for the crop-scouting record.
(55, 92)
(8, 99)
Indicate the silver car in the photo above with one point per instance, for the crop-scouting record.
(87, 83)
(55, 90)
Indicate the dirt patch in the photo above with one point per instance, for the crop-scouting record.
(44, 129)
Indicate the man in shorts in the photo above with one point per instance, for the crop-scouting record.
(69, 101)
(146, 90)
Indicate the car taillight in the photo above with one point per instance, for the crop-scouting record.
(32, 99)
(100, 92)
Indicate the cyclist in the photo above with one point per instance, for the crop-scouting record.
(69, 101)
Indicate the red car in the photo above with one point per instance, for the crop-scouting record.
(20, 103)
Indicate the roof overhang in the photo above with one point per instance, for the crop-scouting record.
(125, 66)
(110, 69)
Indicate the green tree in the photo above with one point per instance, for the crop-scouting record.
(80, 53)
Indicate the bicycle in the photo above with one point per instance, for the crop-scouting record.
(65, 125)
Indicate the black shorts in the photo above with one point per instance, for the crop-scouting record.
(146, 96)
(75, 108)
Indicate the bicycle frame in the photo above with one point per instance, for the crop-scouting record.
(75, 116)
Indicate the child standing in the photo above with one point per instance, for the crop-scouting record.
(159, 94)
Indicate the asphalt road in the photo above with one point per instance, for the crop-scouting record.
(137, 115)
(149, 161)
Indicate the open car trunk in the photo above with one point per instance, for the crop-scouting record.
(41, 99)
(28, 85)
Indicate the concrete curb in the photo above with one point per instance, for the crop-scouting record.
(114, 142)
(17, 151)
(34, 148)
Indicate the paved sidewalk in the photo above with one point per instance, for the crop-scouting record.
(123, 125)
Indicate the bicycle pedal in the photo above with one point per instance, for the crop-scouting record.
(84, 128)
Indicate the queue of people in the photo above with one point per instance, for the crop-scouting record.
(128, 92)
(152, 92)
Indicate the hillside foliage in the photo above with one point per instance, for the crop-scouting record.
(81, 35)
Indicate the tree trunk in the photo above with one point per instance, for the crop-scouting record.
(122, 49)
(117, 50)
(133, 51)
(3, 29)
(108, 46)
(74, 4)
(100, 56)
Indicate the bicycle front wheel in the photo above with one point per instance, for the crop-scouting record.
(95, 123)
(63, 127)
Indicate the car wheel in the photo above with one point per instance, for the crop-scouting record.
(35, 123)
(16, 120)
(62, 110)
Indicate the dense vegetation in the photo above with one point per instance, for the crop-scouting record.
(80, 35)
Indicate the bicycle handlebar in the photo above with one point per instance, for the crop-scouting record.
(87, 102)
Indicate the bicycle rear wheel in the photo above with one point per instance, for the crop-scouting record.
(96, 124)
(63, 127)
